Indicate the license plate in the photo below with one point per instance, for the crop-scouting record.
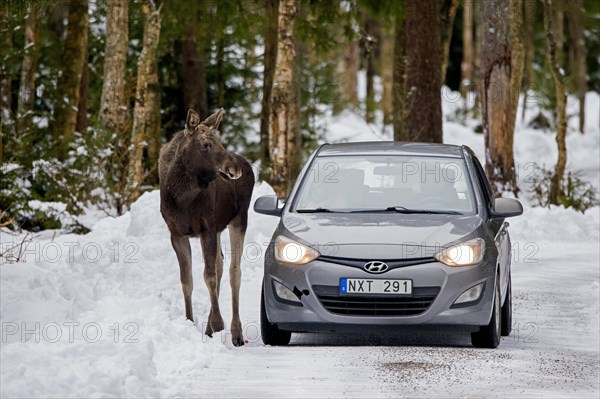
(375, 286)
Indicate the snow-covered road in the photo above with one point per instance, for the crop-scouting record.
(553, 350)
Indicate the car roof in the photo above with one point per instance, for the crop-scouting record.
(391, 148)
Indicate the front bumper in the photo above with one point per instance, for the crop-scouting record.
(318, 278)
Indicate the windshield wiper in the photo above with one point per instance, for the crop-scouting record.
(401, 209)
(316, 210)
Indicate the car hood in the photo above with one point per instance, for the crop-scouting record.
(383, 235)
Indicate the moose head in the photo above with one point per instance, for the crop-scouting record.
(206, 154)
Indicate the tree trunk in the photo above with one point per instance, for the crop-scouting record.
(66, 106)
(386, 57)
(577, 50)
(448, 12)
(348, 70)
(530, 16)
(153, 123)
(284, 127)
(477, 78)
(142, 110)
(423, 51)
(6, 120)
(466, 66)
(517, 57)
(561, 102)
(194, 76)
(399, 81)
(84, 87)
(370, 42)
(114, 108)
(27, 84)
(220, 77)
(559, 31)
(270, 57)
(58, 12)
(497, 98)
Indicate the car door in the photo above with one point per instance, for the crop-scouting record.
(497, 227)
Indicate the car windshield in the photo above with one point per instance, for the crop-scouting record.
(383, 183)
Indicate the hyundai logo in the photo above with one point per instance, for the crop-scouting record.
(376, 266)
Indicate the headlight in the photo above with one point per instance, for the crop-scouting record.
(290, 251)
(464, 254)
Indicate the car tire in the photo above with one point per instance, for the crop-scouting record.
(488, 336)
(270, 333)
(507, 310)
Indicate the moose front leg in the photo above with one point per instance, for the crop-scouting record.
(181, 245)
(237, 231)
(211, 278)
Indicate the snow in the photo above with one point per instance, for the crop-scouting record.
(101, 314)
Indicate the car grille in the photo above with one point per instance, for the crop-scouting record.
(418, 303)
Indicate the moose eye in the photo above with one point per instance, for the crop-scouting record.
(205, 146)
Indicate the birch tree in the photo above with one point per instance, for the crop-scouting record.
(27, 83)
(114, 102)
(141, 112)
(284, 135)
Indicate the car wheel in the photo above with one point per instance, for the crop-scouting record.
(489, 336)
(270, 333)
(507, 310)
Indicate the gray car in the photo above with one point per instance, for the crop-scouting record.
(386, 235)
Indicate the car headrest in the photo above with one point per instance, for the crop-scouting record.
(352, 176)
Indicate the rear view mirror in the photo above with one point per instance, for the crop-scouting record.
(268, 205)
(506, 207)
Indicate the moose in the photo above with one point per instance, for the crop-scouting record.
(203, 189)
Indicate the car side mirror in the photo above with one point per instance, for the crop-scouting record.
(506, 207)
(268, 205)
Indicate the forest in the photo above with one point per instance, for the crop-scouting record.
(91, 89)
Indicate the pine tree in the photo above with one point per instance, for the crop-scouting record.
(552, 51)
(500, 79)
(66, 106)
(269, 59)
(423, 51)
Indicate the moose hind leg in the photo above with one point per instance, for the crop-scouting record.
(219, 263)
(211, 278)
(237, 232)
(181, 245)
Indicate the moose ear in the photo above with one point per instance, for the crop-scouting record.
(214, 120)
(192, 121)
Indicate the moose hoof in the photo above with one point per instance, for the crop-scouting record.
(236, 333)
(238, 341)
(215, 324)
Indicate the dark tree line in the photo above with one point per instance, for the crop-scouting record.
(90, 90)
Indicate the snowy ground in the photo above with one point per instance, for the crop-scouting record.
(102, 314)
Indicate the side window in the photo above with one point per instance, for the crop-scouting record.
(488, 195)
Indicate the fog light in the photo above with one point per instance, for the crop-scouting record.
(284, 292)
(470, 295)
